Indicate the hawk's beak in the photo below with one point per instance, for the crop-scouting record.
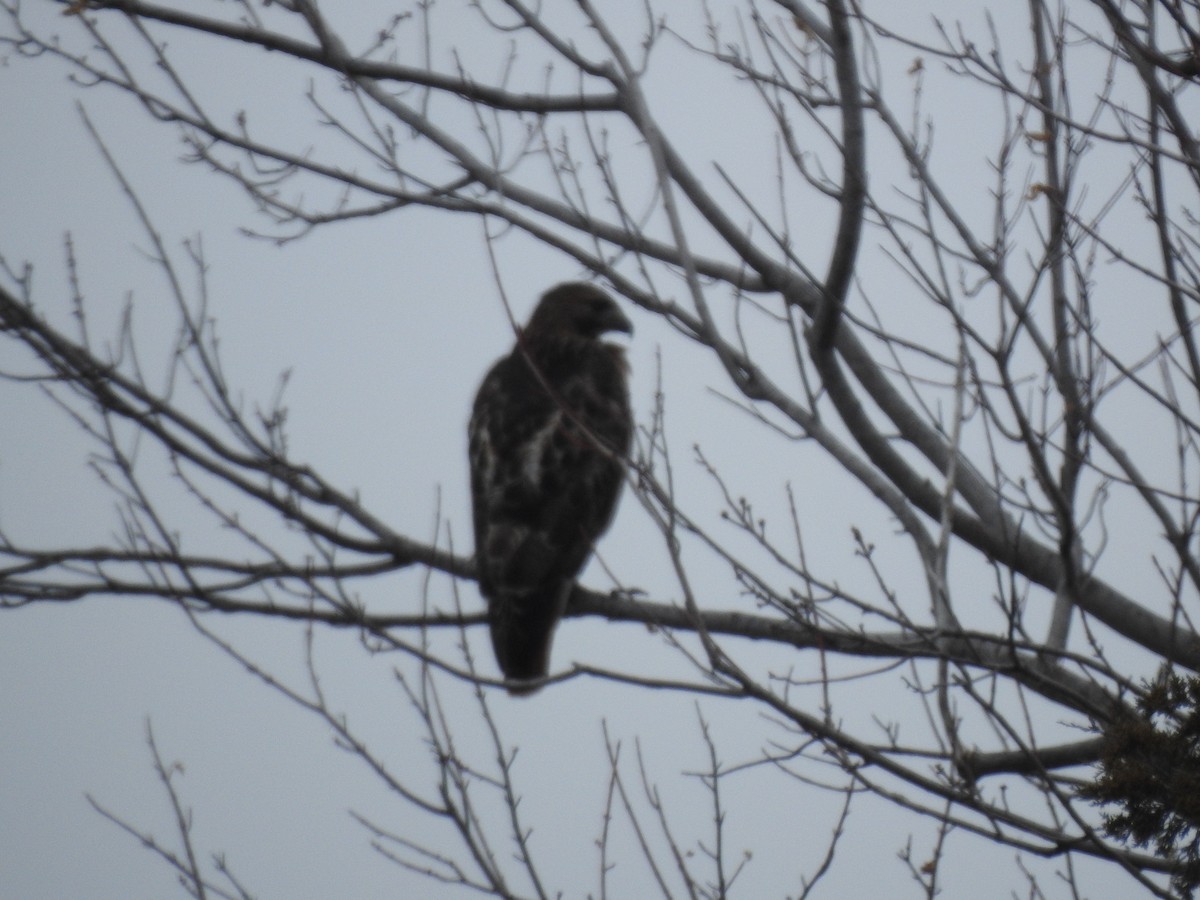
(616, 321)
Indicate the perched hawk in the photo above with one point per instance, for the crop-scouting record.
(549, 433)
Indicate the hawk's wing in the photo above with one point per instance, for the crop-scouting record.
(546, 457)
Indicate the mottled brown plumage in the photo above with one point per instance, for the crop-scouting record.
(549, 433)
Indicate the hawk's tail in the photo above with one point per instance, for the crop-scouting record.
(522, 626)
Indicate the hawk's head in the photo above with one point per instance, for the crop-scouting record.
(578, 310)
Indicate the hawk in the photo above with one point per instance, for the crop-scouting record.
(548, 437)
